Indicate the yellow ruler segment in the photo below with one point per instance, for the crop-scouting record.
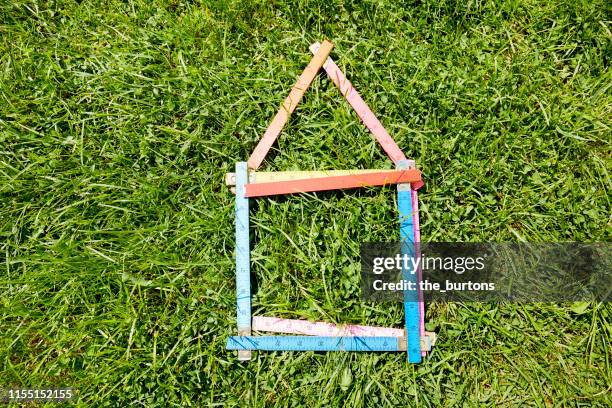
(272, 176)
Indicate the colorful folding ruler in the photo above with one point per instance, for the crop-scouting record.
(320, 336)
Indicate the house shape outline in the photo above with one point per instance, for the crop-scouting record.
(249, 184)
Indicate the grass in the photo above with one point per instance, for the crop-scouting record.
(119, 119)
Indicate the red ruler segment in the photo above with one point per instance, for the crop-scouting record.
(332, 183)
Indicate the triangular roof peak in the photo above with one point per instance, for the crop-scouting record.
(321, 59)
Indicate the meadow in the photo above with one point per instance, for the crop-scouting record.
(119, 120)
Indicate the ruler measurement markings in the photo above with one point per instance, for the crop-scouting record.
(293, 326)
(361, 108)
(332, 183)
(305, 327)
(289, 105)
(417, 239)
(411, 308)
(243, 261)
(315, 343)
(272, 176)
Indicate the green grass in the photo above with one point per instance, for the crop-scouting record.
(119, 119)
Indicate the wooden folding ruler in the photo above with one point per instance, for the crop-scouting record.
(301, 335)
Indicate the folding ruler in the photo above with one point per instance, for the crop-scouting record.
(301, 335)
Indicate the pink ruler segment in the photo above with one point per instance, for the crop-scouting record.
(417, 239)
(304, 327)
(289, 105)
(361, 108)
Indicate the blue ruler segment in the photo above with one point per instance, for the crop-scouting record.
(314, 343)
(243, 259)
(407, 241)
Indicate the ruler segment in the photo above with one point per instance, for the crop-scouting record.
(272, 176)
(289, 105)
(407, 240)
(361, 108)
(332, 183)
(417, 239)
(314, 343)
(305, 327)
(295, 326)
(243, 262)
